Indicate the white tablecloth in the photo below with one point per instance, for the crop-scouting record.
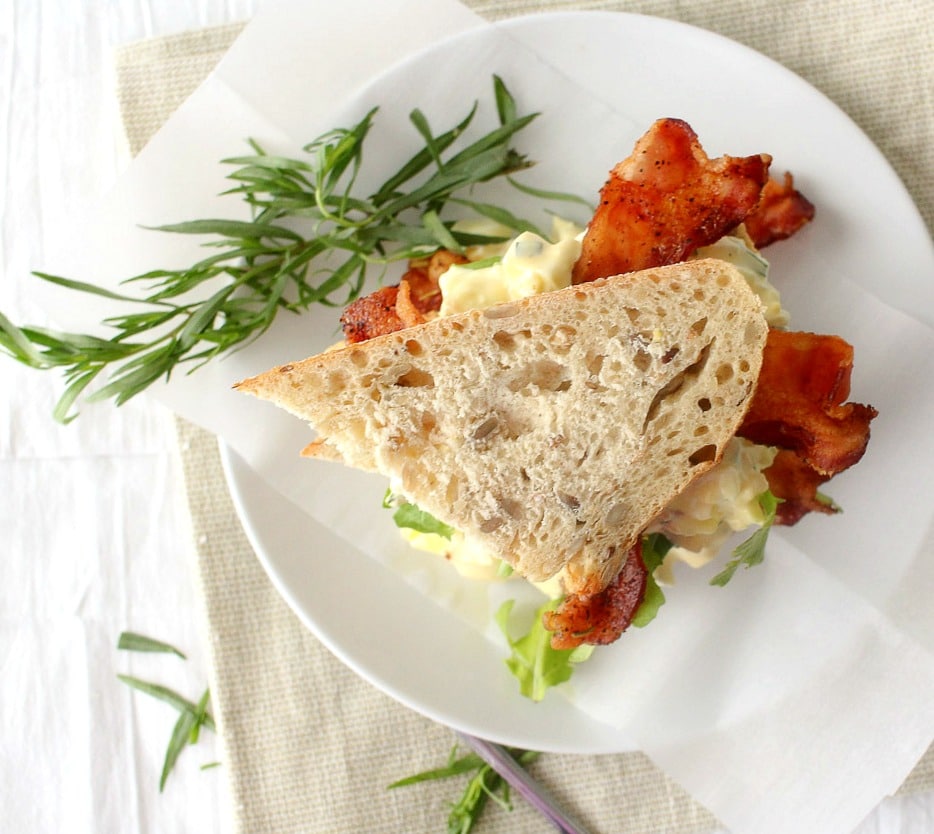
(93, 517)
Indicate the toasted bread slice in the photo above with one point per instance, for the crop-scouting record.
(552, 429)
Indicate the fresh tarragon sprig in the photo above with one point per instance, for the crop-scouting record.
(191, 716)
(752, 551)
(310, 240)
(484, 784)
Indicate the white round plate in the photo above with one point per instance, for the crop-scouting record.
(739, 102)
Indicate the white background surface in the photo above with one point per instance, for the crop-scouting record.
(93, 513)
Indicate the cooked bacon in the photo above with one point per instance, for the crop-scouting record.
(665, 200)
(599, 619)
(371, 315)
(799, 407)
(406, 307)
(793, 481)
(781, 212)
(389, 309)
(798, 403)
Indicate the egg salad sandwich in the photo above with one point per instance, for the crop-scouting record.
(606, 396)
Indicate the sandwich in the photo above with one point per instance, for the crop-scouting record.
(557, 428)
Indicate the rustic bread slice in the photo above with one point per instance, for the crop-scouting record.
(553, 429)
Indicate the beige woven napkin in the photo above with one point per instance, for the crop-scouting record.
(310, 747)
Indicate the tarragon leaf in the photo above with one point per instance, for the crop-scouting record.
(300, 212)
(133, 642)
(483, 785)
(752, 551)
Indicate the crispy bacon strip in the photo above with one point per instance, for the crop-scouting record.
(665, 200)
(799, 407)
(600, 619)
(781, 212)
(796, 483)
(798, 403)
(372, 315)
(407, 306)
(389, 309)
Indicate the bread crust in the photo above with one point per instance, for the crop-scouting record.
(552, 429)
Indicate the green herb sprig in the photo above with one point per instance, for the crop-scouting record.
(483, 785)
(191, 716)
(752, 551)
(311, 240)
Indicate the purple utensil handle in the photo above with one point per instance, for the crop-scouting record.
(518, 778)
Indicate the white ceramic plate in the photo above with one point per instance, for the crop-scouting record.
(642, 68)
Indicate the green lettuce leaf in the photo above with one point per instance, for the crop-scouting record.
(415, 518)
(534, 663)
(654, 548)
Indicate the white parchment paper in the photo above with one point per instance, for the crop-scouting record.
(797, 697)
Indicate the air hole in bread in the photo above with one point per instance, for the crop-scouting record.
(704, 404)
(699, 326)
(632, 314)
(670, 354)
(413, 346)
(358, 357)
(336, 382)
(594, 362)
(642, 360)
(415, 378)
(690, 373)
(512, 508)
(505, 341)
(543, 374)
(743, 365)
(492, 524)
(706, 454)
(724, 373)
(562, 339)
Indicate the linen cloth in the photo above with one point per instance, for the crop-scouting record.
(308, 746)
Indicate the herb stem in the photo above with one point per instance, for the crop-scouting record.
(305, 216)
